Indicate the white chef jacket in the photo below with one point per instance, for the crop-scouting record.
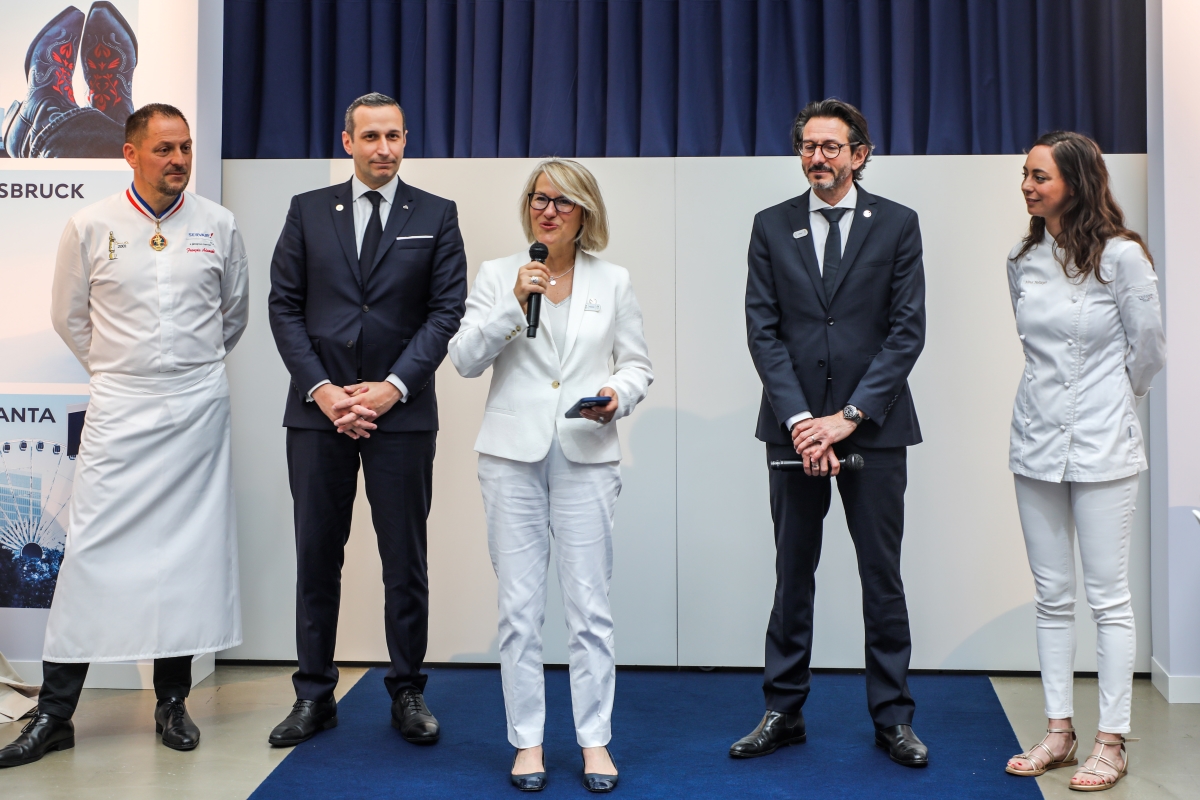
(142, 312)
(1091, 349)
(150, 564)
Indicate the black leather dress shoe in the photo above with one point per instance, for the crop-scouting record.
(903, 746)
(413, 719)
(529, 781)
(598, 782)
(171, 719)
(775, 731)
(42, 734)
(308, 718)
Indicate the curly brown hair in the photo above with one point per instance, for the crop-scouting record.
(1092, 215)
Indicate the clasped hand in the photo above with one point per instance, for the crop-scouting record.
(814, 438)
(354, 409)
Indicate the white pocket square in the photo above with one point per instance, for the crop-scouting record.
(422, 236)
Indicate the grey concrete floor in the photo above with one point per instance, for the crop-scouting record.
(117, 754)
(1165, 763)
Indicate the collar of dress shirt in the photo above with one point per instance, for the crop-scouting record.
(815, 203)
(388, 190)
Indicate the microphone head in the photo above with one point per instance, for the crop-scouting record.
(538, 252)
(853, 462)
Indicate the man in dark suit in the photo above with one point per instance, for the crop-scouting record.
(368, 284)
(835, 314)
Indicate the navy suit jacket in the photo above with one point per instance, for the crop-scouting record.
(816, 353)
(405, 311)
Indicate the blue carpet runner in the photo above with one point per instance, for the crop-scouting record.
(671, 737)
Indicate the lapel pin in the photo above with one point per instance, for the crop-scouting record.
(800, 234)
(867, 213)
(338, 207)
(406, 208)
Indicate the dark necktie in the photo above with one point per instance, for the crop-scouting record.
(833, 248)
(371, 237)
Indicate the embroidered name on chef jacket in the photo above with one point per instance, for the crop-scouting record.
(201, 242)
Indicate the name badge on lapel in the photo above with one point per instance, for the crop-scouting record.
(592, 305)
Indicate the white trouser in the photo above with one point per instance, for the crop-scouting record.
(526, 504)
(1102, 515)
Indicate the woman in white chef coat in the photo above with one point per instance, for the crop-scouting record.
(1086, 302)
(544, 475)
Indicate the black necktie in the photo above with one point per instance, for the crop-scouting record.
(371, 237)
(833, 248)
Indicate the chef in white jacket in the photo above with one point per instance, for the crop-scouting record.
(544, 475)
(150, 294)
(1088, 316)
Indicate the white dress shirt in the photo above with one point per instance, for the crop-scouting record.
(362, 216)
(819, 228)
(1091, 349)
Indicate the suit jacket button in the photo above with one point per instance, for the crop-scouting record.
(350, 343)
(830, 320)
(553, 384)
(507, 338)
(366, 309)
(821, 363)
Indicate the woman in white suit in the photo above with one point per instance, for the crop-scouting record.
(1086, 302)
(544, 475)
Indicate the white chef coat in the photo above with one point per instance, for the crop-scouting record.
(150, 566)
(1091, 349)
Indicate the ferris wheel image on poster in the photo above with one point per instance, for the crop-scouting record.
(66, 87)
(39, 439)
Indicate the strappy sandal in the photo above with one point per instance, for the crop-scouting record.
(1108, 779)
(1040, 766)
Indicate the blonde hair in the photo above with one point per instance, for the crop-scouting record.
(576, 182)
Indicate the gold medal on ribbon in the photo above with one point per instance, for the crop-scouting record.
(158, 241)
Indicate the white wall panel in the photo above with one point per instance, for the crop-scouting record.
(682, 226)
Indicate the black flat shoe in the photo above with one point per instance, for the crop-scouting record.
(596, 782)
(171, 719)
(42, 734)
(413, 718)
(530, 781)
(903, 746)
(775, 731)
(308, 718)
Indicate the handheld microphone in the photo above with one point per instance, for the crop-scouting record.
(851, 463)
(537, 252)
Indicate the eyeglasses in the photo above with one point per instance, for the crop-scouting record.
(808, 149)
(539, 202)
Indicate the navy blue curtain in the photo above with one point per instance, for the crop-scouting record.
(518, 78)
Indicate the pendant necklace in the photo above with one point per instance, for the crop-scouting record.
(554, 278)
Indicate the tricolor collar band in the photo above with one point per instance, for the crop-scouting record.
(144, 208)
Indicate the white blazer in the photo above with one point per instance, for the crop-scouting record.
(1091, 349)
(532, 386)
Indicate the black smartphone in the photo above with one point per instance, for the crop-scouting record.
(586, 402)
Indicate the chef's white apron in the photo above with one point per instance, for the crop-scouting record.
(150, 566)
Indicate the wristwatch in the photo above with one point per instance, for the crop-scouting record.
(853, 414)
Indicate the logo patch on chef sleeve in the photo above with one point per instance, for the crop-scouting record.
(1145, 293)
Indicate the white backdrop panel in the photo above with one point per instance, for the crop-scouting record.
(681, 226)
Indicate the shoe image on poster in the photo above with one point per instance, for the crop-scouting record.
(50, 123)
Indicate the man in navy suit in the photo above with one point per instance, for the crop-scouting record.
(835, 317)
(368, 284)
